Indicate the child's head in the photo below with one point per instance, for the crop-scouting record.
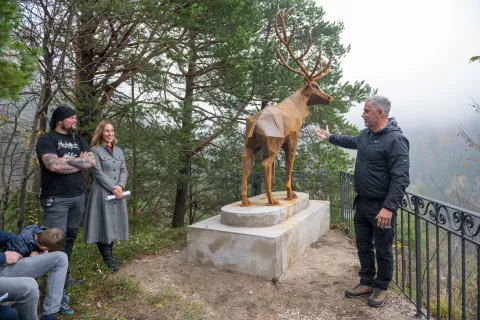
(51, 239)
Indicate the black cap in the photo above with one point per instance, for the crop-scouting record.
(59, 114)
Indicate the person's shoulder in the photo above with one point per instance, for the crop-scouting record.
(33, 227)
(364, 132)
(96, 149)
(397, 134)
(45, 137)
(46, 144)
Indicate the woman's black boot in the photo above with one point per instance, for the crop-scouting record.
(103, 248)
(110, 252)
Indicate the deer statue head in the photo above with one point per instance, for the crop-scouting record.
(312, 91)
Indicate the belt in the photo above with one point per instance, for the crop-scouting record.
(362, 198)
(365, 199)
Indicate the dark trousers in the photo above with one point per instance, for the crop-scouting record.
(66, 214)
(373, 242)
(8, 313)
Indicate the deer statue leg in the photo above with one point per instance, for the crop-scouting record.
(270, 151)
(267, 172)
(248, 159)
(273, 172)
(290, 148)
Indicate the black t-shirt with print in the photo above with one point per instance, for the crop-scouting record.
(63, 145)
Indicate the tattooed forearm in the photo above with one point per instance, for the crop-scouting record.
(53, 163)
(82, 162)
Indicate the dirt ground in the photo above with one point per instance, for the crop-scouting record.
(312, 289)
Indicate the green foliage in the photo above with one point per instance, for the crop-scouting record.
(17, 61)
(475, 58)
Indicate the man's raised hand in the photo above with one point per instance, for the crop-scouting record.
(324, 134)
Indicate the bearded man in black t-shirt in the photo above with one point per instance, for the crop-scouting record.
(63, 155)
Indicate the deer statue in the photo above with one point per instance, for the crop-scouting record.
(278, 126)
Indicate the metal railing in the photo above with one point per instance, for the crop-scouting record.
(436, 254)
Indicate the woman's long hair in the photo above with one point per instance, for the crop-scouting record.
(97, 135)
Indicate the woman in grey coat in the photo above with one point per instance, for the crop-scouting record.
(107, 221)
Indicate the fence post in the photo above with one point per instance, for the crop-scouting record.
(418, 258)
(342, 196)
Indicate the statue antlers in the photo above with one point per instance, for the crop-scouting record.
(278, 126)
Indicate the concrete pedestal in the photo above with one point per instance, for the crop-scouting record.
(265, 251)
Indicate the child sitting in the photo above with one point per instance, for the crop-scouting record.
(35, 239)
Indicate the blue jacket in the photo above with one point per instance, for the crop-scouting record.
(24, 243)
(4, 238)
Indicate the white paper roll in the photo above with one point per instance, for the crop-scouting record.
(111, 197)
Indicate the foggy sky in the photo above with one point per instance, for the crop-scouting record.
(416, 53)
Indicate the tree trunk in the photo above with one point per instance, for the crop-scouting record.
(182, 194)
(134, 151)
(36, 170)
(187, 129)
(26, 173)
(85, 74)
(4, 205)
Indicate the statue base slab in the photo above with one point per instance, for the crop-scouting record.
(265, 252)
(259, 214)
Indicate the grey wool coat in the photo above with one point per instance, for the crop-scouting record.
(106, 221)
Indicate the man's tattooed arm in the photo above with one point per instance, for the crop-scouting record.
(85, 161)
(59, 165)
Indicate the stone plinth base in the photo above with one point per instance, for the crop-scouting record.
(259, 214)
(264, 252)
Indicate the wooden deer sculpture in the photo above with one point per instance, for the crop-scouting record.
(278, 126)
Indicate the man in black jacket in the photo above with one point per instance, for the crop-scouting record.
(380, 178)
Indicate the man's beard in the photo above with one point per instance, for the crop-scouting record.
(70, 130)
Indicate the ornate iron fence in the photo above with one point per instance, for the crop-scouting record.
(436, 254)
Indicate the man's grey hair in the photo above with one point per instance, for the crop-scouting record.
(380, 102)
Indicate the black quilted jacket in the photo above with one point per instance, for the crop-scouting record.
(382, 164)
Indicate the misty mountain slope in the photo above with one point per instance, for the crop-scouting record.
(441, 160)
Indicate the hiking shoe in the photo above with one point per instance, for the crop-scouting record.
(65, 309)
(358, 291)
(72, 282)
(378, 297)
